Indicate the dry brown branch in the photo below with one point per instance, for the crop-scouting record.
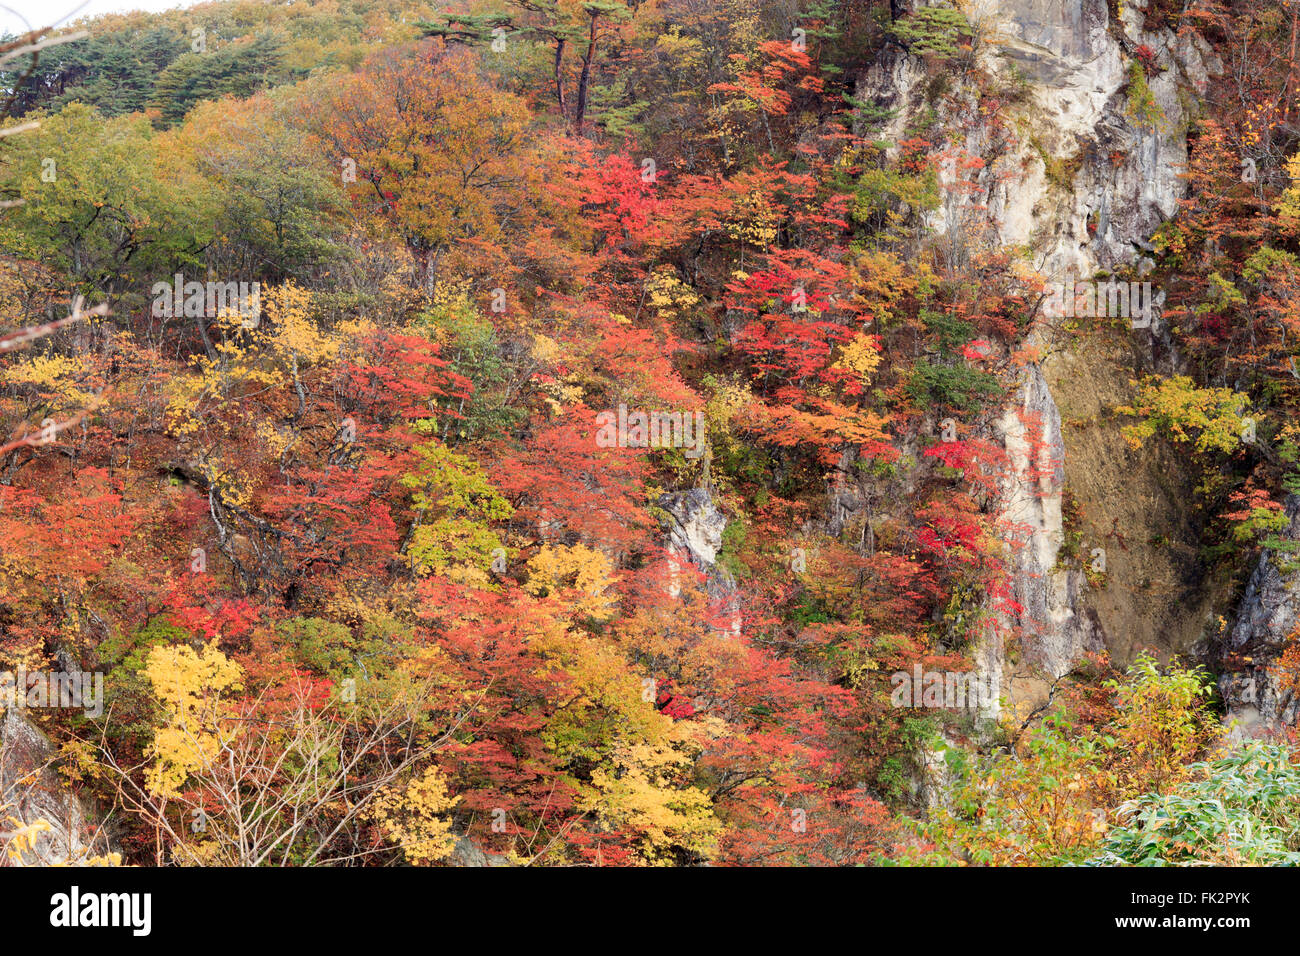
(36, 45)
(292, 791)
(24, 337)
(20, 128)
(48, 433)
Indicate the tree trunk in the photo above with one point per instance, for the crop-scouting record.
(581, 108)
(431, 261)
(559, 78)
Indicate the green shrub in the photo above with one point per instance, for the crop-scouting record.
(1142, 104)
(1245, 810)
(934, 30)
(953, 386)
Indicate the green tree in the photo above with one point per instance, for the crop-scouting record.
(105, 200)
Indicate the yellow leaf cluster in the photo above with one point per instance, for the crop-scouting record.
(545, 349)
(1212, 419)
(1288, 205)
(187, 685)
(57, 376)
(587, 571)
(859, 356)
(411, 817)
(883, 284)
(756, 223)
(683, 52)
(669, 295)
(637, 793)
(294, 331)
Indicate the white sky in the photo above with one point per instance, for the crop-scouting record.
(15, 15)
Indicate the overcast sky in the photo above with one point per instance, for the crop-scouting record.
(16, 15)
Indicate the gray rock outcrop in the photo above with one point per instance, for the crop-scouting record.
(694, 530)
(31, 791)
(1080, 168)
(1257, 700)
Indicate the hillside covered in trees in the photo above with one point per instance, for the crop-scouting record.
(676, 432)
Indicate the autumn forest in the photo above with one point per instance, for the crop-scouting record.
(651, 433)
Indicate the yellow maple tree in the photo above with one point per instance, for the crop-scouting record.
(187, 685)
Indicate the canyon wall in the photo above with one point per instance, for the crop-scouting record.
(1077, 173)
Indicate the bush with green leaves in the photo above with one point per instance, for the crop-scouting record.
(1045, 799)
(884, 199)
(935, 30)
(1142, 105)
(474, 350)
(1240, 810)
(952, 386)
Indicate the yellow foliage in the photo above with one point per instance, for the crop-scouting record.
(684, 52)
(451, 292)
(643, 760)
(235, 489)
(295, 335)
(1288, 205)
(1213, 419)
(882, 283)
(546, 350)
(639, 791)
(411, 817)
(756, 223)
(859, 356)
(57, 376)
(586, 571)
(564, 392)
(728, 400)
(252, 356)
(21, 840)
(669, 295)
(187, 685)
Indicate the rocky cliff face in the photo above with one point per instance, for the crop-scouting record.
(30, 791)
(1270, 609)
(1087, 173)
(1078, 173)
(1058, 629)
(694, 532)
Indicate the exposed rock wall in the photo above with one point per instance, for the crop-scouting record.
(1080, 177)
(696, 526)
(1077, 115)
(31, 791)
(467, 853)
(1136, 504)
(694, 530)
(1057, 630)
(1270, 609)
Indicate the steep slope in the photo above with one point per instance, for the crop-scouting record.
(1076, 174)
